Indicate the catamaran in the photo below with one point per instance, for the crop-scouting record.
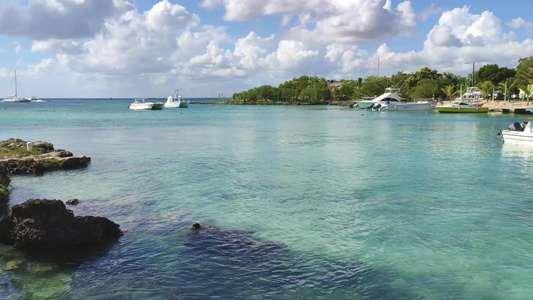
(14, 97)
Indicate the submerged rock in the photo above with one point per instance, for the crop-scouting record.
(73, 201)
(49, 225)
(205, 239)
(4, 192)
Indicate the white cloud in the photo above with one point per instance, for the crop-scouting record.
(59, 19)
(17, 49)
(42, 68)
(325, 21)
(291, 55)
(430, 11)
(167, 47)
(130, 44)
(459, 28)
(520, 23)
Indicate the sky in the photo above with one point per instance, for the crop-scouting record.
(204, 48)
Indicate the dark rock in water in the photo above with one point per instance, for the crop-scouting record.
(4, 192)
(49, 225)
(198, 226)
(73, 201)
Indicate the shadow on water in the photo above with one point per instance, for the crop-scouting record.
(38, 275)
(269, 268)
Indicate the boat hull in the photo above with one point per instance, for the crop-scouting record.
(16, 100)
(157, 106)
(443, 109)
(411, 107)
(517, 137)
(172, 104)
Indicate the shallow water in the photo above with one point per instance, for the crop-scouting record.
(314, 202)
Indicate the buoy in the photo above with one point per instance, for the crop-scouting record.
(361, 114)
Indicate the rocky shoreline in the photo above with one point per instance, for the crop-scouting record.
(46, 224)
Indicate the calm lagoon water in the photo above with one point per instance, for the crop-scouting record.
(312, 203)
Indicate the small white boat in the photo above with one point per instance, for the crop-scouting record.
(173, 101)
(518, 133)
(391, 100)
(35, 99)
(141, 104)
(14, 97)
(461, 107)
(472, 94)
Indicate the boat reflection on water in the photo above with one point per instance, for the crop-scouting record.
(524, 152)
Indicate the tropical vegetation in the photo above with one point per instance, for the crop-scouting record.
(492, 80)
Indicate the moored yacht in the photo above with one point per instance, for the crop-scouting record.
(461, 107)
(173, 101)
(391, 100)
(141, 104)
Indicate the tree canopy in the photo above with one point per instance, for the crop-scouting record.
(424, 83)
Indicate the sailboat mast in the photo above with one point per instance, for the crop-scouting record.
(16, 88)
(378, 65)
(473, 72)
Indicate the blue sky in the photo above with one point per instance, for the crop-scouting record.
(126, 48)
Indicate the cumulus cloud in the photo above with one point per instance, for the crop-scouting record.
(457, 28)
(168, 47)
(131, 43)
(324, 21)
(430, 11)
(59, 19)
(520, 23)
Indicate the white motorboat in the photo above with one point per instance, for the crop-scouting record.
(461, 107)
(141, 104)
(518, 133)
(173, 101)
(14, 97)
(35, 99)
(391, 96)
(391, 100)
(409, 106)
(472, 94)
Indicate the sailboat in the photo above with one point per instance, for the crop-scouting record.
(15, 98)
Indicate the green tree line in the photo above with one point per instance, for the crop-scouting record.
(424, 83)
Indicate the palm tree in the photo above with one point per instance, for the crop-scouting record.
(449, 91)
(486, 88)
(527, 91)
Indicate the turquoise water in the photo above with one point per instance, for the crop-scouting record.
(314, 203)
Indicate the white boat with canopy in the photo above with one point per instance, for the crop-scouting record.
(518, 133)
(173, 101)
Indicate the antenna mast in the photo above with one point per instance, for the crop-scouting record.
(378, 65)
(473, 72)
